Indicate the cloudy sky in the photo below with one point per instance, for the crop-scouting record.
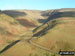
(36, 4)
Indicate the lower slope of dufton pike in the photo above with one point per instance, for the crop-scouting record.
(57, 32)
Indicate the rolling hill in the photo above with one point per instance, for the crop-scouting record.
(57, 32)
(25, 17)
(37, 33)
(9, 29)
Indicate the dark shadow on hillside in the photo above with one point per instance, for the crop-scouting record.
(9, 46)
(41, 20)
(61, 14)
(34, 30)
(53, 16)
(45, 30)
(14, 13)
(26, 23)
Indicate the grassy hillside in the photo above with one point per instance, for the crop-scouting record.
(23, 48)
(31, 16)
(57, 32)
(35, 17)
(10, 29)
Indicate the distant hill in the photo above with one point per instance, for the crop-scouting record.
(34, 16)
(31, 16)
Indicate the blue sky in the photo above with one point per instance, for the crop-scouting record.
(36, 4)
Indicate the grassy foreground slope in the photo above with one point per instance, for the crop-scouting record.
(23, 48)
(58, 33)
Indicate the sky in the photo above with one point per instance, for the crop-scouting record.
(36, 4)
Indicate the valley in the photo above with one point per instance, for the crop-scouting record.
(36, 32)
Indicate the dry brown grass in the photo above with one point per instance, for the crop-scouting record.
(62, 36)
(25, 49)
